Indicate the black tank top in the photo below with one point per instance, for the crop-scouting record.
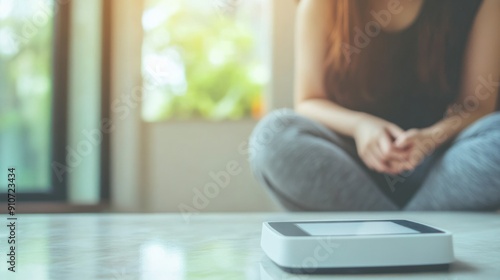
(393, 80)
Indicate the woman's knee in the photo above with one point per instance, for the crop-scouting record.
(278, 139)
(477, 154)
(272, 132)
(486, 124)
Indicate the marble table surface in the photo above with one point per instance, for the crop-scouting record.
(210, 246)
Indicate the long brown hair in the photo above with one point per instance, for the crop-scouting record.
(340, 70)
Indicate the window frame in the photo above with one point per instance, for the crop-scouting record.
(56, 199)
(106, 68)
(59, 81)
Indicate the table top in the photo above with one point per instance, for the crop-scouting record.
(210, 246)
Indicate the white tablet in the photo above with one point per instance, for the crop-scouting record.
(356, 246)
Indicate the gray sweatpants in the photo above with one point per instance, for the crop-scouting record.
(306, 166)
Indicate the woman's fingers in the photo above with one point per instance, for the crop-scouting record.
(403, 153)
(385, 144)
(394, 131)
(389, 151)
(379, 161)
(374, 163)
(400, 166)
(415, 156)
(406, 139)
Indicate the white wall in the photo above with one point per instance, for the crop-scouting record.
(201, 166)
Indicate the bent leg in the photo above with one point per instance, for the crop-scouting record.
(308, 167)
(467, 175)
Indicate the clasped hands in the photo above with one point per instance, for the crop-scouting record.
(386, 148)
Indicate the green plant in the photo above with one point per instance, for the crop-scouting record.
(221, 76)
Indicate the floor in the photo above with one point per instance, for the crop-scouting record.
(208, 246)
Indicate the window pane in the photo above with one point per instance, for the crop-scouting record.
(204, 59)
(25, 92)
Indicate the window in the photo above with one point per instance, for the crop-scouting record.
(26, 40)
(204, 59)
(46, 113)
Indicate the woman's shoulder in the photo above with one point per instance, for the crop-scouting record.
(486, 15)
(316, 14)
(318, 8)
(493, 6)
(316, 3)
(490, 4)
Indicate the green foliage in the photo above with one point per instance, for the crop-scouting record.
(218, 57)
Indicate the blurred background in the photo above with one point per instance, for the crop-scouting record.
(139, 105)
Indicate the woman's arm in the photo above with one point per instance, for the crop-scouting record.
(312, 30)
(314, 21)
(482, 65)
(480, 84)
(373, 135)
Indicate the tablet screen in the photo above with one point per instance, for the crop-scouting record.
(355, 228)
